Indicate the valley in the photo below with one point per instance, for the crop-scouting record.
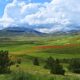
(26, 48)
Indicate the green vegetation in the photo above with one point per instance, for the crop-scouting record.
(4, 62)
(36, 61)
(75, 65)
(24, 50)
(20, 75)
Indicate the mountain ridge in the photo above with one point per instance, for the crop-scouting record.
(43, 29)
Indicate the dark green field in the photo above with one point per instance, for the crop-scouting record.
(27, 48)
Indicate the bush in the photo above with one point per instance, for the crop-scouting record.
(56, 68)
(74, 65)
(19, 61)
(4, 62)
(49, 63)
(36, 61)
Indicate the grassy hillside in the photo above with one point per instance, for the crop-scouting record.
(27, 48)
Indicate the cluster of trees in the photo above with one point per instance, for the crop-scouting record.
(4, 62)
(55, 67)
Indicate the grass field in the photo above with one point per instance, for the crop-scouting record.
(26, 48)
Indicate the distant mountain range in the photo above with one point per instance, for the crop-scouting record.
(39, 30)
(17, 31)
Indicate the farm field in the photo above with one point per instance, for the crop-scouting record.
(27, 48)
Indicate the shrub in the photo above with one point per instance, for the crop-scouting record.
(57, 68)
(54, 66)
(4, 62)
(36, 61)
(18, 61)
(49, 63)
(74, 65)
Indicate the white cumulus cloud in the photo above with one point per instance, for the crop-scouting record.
(57, 11)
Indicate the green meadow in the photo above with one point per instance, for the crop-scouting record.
(27, 48)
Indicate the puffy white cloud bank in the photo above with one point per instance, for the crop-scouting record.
(57, 11)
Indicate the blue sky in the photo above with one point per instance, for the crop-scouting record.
(61, 12)
(3, 3)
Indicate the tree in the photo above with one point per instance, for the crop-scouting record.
(36, 61)
(49, 63)
(54, 66)
(4, 62)
(57, 68)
